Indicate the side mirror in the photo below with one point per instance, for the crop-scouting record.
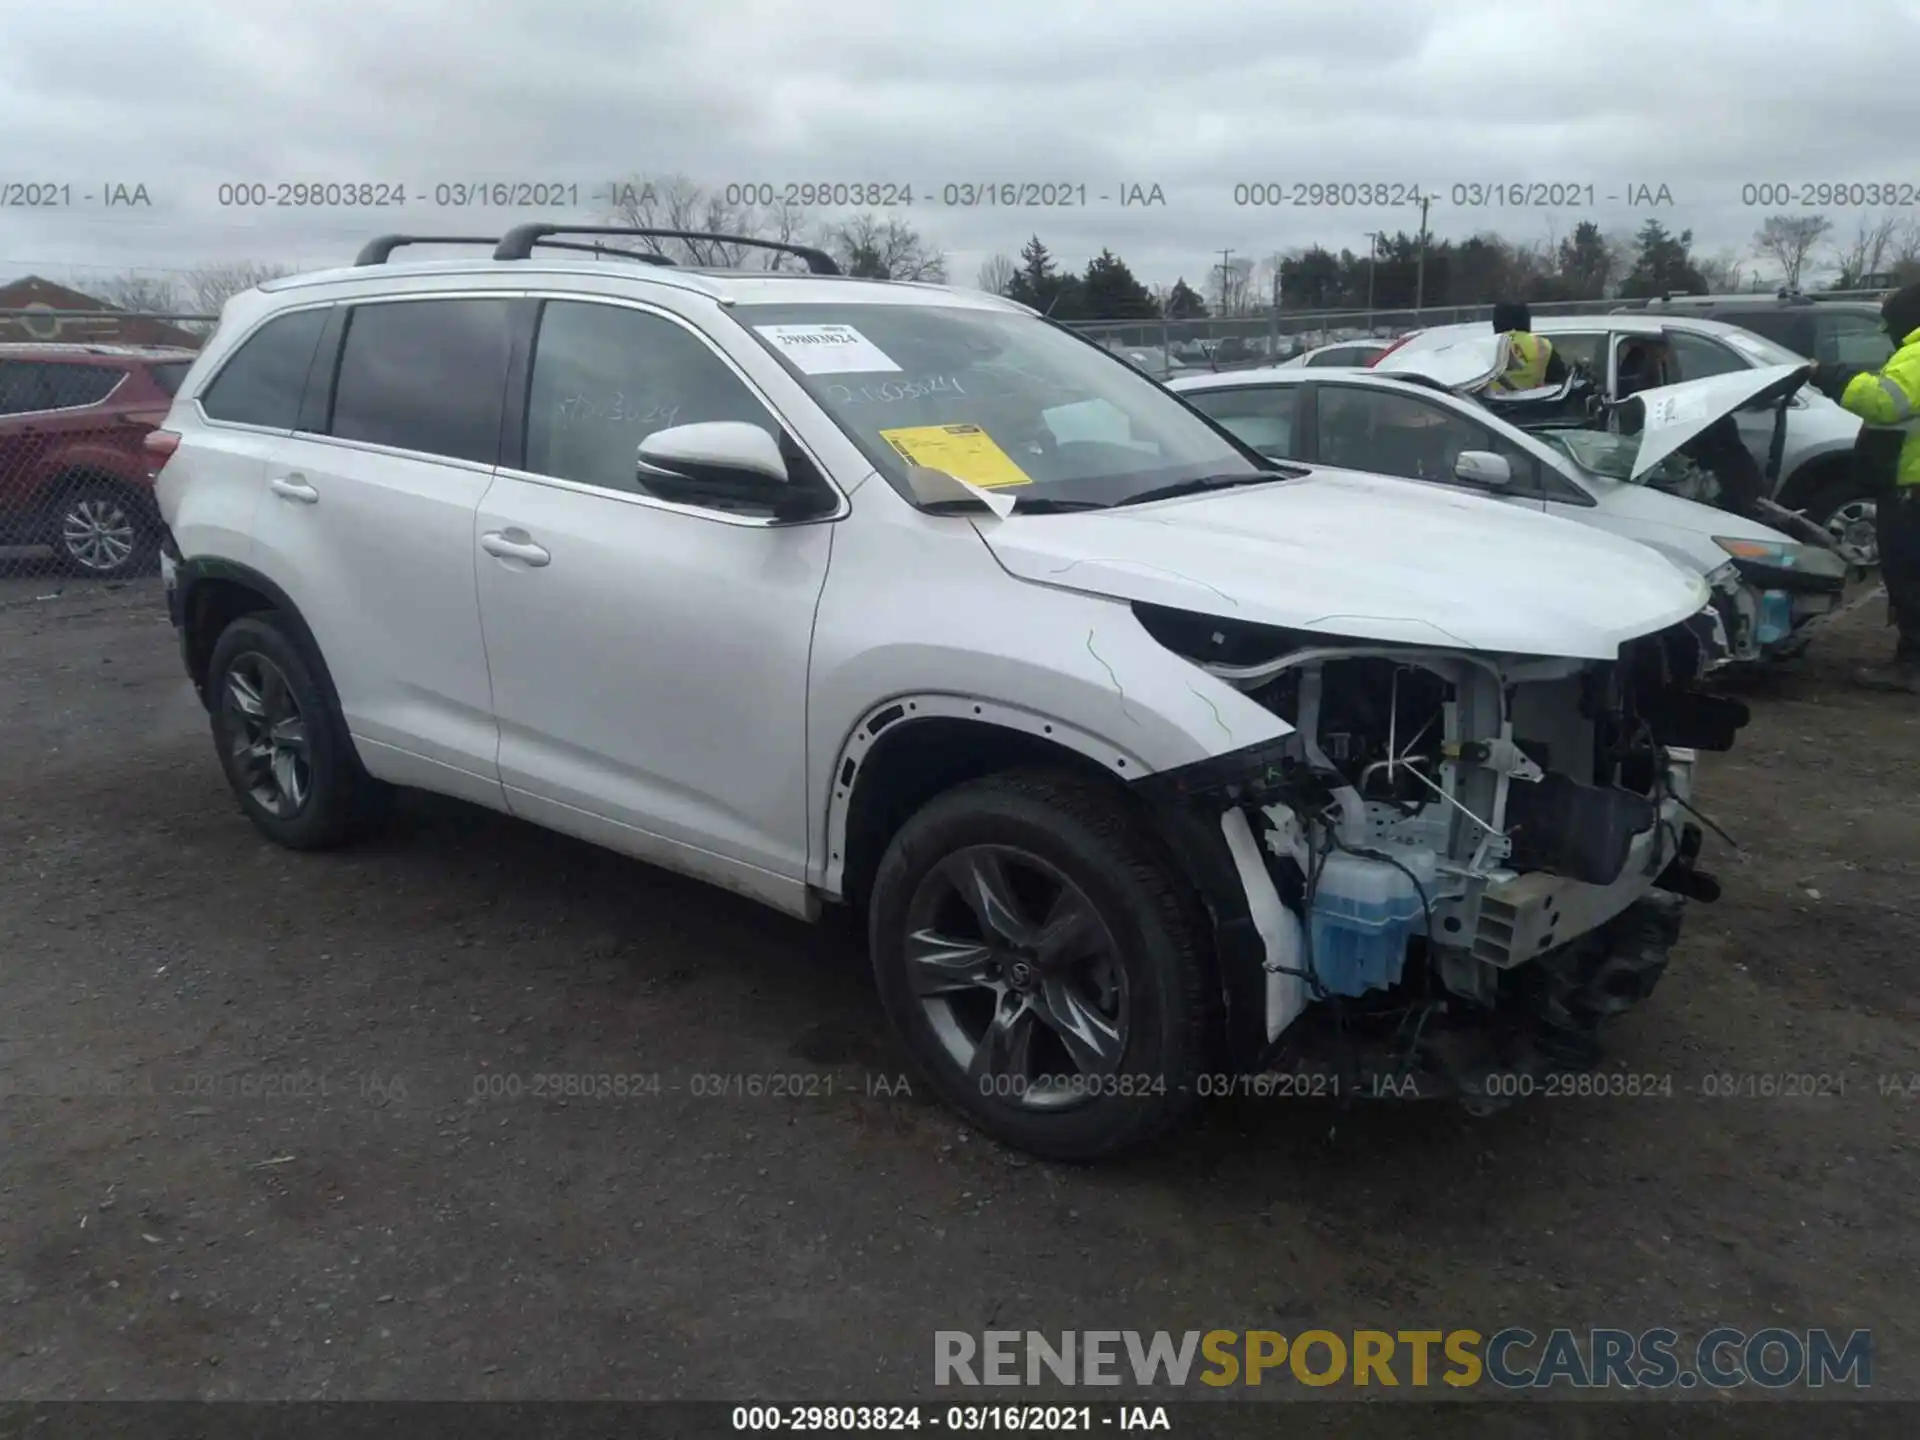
(728, 451)
(1483, 467)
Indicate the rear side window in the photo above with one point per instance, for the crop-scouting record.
(168, 374)
(1848, 338)
(425, 375)
(263, 382)
(1783, 327)
(70, 386)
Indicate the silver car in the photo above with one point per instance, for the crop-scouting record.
(1815, 471)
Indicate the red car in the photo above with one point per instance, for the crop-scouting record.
(73, 474)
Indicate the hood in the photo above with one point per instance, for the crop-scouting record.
(1676, 414)
(1365, 557)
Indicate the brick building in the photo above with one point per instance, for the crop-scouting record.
(47, 302)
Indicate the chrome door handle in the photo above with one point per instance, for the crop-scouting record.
(295, 487)
(502, 544)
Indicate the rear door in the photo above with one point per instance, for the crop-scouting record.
(368, 524)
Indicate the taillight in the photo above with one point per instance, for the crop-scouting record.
(149, 418)
(158, 447)
(1391, 348)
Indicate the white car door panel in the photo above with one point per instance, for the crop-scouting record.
(649, 655)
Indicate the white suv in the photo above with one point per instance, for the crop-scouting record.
(1139, 757)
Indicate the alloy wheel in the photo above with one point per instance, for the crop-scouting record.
(1852, 527)
(1018, 975)
(267, 735)
(97, 533)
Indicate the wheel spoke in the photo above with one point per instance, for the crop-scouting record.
(1006, 1047)
(981, 879)
(287, 777)
(276, 699)
(245, 696)
(941, 965)
(1092, 1040)
(1071, 931)
(291, 734)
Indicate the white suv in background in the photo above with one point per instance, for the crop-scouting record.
(1137, 755)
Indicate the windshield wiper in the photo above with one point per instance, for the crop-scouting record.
(1212, 482)
(1023, 505)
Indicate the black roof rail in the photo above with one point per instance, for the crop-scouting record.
(518, 243)
(376, 252)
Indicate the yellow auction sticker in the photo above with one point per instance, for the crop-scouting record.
(965, 452)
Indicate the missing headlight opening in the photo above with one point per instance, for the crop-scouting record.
(1479, 858)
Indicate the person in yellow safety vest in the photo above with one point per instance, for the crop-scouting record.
(1886, 459)
(1531, 362)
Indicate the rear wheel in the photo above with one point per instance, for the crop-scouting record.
(1043, 964)
(102, 531)
(288, 758)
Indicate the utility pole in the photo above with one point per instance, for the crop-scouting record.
(1226, 259)
(1420, 269)
(1373, 262)
(1273, 312)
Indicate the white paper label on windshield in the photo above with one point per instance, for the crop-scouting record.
(828, 349)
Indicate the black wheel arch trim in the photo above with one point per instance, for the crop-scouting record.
(193, 574)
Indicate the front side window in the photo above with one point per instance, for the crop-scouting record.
(425, 375)
(1783, 327)
(1585, 348)
(998, 398)
(1393, 434)
(605, 377)
(23, 387)
(1265, 417)
(263, 382)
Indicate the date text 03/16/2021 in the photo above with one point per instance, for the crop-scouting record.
(961, 1419)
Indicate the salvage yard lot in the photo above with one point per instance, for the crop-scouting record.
(297, 1169)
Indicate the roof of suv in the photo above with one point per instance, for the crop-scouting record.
(729, 287)
(86, 354)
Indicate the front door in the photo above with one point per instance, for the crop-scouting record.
(649, 651)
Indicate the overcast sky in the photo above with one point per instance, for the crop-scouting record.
(1196, 97)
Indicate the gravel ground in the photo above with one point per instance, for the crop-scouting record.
(260, 1141)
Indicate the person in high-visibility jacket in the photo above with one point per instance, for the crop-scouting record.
(1531, 362)
(1887, 462)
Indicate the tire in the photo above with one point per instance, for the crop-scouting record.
(1137, 1001)
(1844, 509)
(293, 770)
(101, 530)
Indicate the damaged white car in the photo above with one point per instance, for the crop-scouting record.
(1625, 469)
(1140, 758)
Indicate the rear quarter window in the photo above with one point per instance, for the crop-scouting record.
(72, 386)
(261, 384)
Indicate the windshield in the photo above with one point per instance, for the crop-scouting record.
(997, 398)
(1760, 350)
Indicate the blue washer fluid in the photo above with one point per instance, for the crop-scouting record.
(1776, 617)
(1364, 912)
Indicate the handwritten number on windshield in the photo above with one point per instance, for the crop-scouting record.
(888, 392)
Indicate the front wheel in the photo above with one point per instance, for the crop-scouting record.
(1847, 513)
(1044, 965)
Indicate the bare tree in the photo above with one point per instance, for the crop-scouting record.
(996, 274)
(143, 294)
(884, 248)
(1621, 254)
(210, 286)
(1789, 240)
(1874, 239)
(1723, 272)
(1233, 285)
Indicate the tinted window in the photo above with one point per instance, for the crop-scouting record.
(425, 375)
(1263, 418)
(1696, 357)
(263, 382)
(169, 374)
(22, 387)
(72, 385)
(1847, 338)
(1392, 434)
(606, 377)
(1343, 355)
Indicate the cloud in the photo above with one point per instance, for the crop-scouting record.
(1195, 97)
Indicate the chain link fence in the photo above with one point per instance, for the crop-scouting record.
(80, 391)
